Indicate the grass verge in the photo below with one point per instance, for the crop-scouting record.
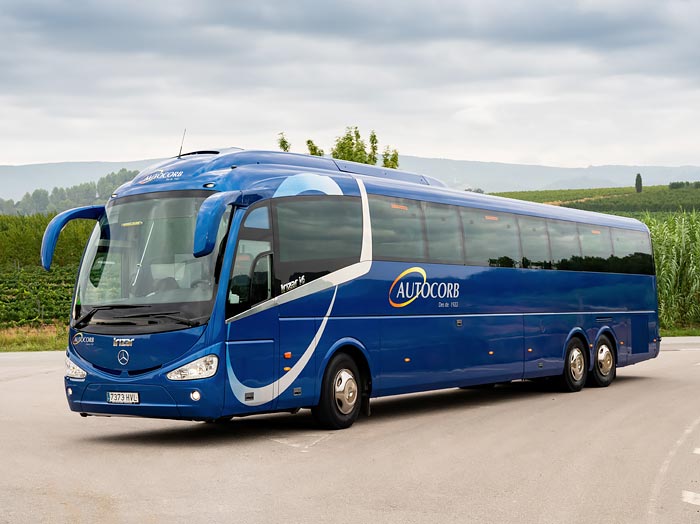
(683, 331)
(53, 337)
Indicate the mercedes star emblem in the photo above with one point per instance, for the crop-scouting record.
(123, 357)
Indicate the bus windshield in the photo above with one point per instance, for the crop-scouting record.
(138, 271)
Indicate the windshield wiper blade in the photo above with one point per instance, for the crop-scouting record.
(84, 319)
(173, 315)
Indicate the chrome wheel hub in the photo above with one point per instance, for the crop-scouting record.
(577, 364)
(604, 360)
(345, 388)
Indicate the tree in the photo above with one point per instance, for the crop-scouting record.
(373, 147)
(351, 146)
(390, 158)
(283, 143)
(638, 183)
(313, 148)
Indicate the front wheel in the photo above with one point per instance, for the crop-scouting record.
(604, 365)
(575, 368)
(340, 401)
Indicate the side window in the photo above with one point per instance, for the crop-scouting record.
(535, 243)
(632, 252)
(596, 247)
(563, 239)
(444, 234)
(397, 228)
(254, 238)
(490, 238)
(315, 236)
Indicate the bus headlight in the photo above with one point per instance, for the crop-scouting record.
(73, 370)
(204, 367)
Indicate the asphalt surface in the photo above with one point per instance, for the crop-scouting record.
(519, 453)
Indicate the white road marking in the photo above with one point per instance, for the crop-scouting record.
(696, 451)
(303, 442)
(691, 497)
(663, 471)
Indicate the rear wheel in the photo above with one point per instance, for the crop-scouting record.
(604, 365)
(340, 401)
(575, 368)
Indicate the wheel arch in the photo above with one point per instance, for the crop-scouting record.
(579, 334)
(358, 352)
(608, 332)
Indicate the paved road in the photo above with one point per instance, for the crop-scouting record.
(629, 453)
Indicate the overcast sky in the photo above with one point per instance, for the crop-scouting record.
(535, 81)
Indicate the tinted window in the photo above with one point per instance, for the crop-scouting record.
(397, 228)
(632, 252)
(254, 238)
(444, 234)
(596, 247)
(563, 239)
(315, 235)
(535, 243)
(490, 239)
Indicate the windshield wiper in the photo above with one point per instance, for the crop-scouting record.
(85, 319)
(172, 315)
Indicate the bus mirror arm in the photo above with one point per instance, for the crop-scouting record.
(208, 220)
(53, 230)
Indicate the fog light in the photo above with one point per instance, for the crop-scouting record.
(69, 391)
(195, 395)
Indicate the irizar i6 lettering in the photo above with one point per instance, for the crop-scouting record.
(228, 283)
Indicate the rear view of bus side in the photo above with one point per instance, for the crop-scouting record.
(247, 282)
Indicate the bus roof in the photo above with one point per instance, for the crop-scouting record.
(263, 171)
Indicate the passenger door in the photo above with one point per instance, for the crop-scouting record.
(252, 328)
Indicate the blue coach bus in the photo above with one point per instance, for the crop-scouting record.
(227, 283)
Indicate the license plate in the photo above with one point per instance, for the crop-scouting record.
(120, 397)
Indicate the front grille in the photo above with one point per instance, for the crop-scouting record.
(107, 370)
(135, 372)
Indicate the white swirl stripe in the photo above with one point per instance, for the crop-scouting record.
(267, 393)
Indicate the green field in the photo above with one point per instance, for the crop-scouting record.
(617, 200)
(34, 304)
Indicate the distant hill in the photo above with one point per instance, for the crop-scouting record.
(15, 181)
(495, 177)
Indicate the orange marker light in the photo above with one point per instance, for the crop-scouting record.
(491, 217)
(399, 206)
(595, 232)
(622, 342)
(529, 350)
(407, 359)
(287, 369)
(490, 352)
(288, 355)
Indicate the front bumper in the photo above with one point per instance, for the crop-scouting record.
(158, 396)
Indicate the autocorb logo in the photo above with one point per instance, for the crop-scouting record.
(81, 338)
(413, 284)
(161, 175)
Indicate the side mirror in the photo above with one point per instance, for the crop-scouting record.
(53, 230)
(208, 220)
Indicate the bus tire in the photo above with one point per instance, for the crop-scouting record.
(341, 394)
(604, 364)
(575, 368)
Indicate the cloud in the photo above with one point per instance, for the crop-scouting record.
(541, 80)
